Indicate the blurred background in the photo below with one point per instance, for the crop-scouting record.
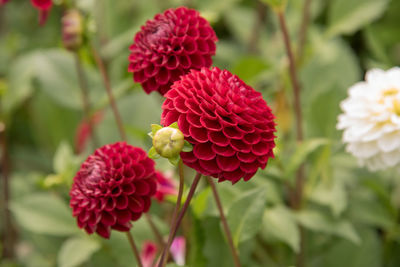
(351, 216)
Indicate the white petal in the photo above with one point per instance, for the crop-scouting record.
(389, 142)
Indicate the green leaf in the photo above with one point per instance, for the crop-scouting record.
(174, 125)
(44, 214)
(303, 150)
(344, 253)
(20, 76)
(174, 161)
(348, 16)
(279, 223)
(153, 153)
(155, 128)
(332, 195)
(62, 158)
(187, 147)
(244, 216)
(76, 250)
(249, 67)
(320, 222)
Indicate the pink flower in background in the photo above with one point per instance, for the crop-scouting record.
(150, 249)
(148, 254)
(44, 7)
(2, 2)
(178, 250)
(166, 185)
(83, 132)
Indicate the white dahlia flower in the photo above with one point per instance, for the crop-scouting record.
(371, 119)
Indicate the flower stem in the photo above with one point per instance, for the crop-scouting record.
(235, 255)
(107, 85)
(134, 248)
(175, 226)
(297, 195)
(293, 75)
(176, 210)
(83, 84)
(303, 29)
(9, 232)
(121, 129)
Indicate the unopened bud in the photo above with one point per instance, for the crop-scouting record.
(168, 142)
(72, 30)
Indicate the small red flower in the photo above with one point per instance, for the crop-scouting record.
(44, 7)
(228, 123)
(2, 2)
(112, 188)
(170, 45)
(166, 185)
(83, 132)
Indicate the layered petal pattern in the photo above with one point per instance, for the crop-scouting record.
(228, 123)
(170, 45)
(112, 188)
(371, 120)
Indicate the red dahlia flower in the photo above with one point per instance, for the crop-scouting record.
(170, 45)
(2, 2)
(112, 188)
(228, 123)
(44, 7)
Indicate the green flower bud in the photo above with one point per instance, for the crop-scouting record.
(168, 142)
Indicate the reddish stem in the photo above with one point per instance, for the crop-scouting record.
(175, 227)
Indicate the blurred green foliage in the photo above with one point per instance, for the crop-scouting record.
(350, 216)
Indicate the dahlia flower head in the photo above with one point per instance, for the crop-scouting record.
(44, 7)
(229, 125)
(112, 188)
(371, 120)
(170, 45)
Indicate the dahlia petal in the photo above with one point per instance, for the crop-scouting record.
(198, 134)
(204, 151)
(122, 202)
(218, 138)
(108, 219)
(123, 216)
(188, 157)
(240, 146)
(103, 230)
(225, 151)
(142, 188)
(210, 166)
(136, 204)
(210, 124)
(227, 163)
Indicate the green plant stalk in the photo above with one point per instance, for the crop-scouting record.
(297, 194)
(134, 248)
(83, 84)
(121, 129)
(303, 29)
(225, 225)
(9, 233)
(176, 210)
(175, 227)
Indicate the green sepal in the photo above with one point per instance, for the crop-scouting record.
(155, 128)
(153, 153)
(187, 147)
(174, 161)
(174, 125)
